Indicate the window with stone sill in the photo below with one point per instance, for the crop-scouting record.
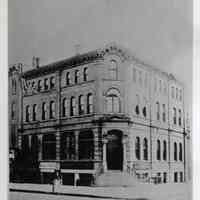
(52, 82)
(164, 150)
(137, 148)
(46, 84)
(158, 150)
(144, 111)
(145, 149)
(157, 110)
(180, 118)
(34, 112)
(81, 105)
(76, 78)
(68, 78)
(180, 152)
(52, 111)
(175, 151)
(113, 101)
(64, 107)
(85, 74)
(72, 106)
(113, 70)
(90, 103)
(44, 111)
(39, 85)
(174, 116)
(164, 113)
(27, 113)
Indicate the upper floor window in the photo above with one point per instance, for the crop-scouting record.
(134, 75)
(145, 149)
(180, 95)
(14, 86)
(27, 113)
(176, 93)
(89, 103)
(158, 110)
(81, 104)
(76, 78)
(34, 112)
(46, 84)
(85, 74)
(113, 70)
(174, 115)
(137, 148)
(180, 152)
(39, 85)
(68, 78)
(137, 107)
(72, 106)
(140, 77)
(13, 110)
(175, 151)
(164, 150)
(113, 101)
(180, 117)
(164, 113)
(160, 85)
(52, 82)
(172, 92)
(64, 107)
(44, 111)
(158, 150)
(52, 111)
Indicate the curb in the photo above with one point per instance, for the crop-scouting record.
(72, 194)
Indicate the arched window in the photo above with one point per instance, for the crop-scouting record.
(90, 103)
(64, 107)
(113, 101)
(85, 74)
(52, 111)
(137, 148)
(49, 147)
(81, 105)
(180, 117)
(158, 110)
(164, 113)
(68, 78)
(113, 70)
(164, 150)
(39, 85)
(174, 115)
(76, 79)
(145, 149)
(44, 111)
(52, 82)
(158, 150)
(72, 106)
(180, 152)
(46, 84)
(175, 151)
(137, 107)
(27, 113)
(34, 112)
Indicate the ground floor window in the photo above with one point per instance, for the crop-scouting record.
(164, 177)
(175, 177)
(68, 146)
(49, 147)
(86, 145)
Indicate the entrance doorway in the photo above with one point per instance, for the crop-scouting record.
(114, 150)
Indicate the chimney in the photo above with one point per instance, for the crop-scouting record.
(77, 49)
(37, 61)
(33, 62)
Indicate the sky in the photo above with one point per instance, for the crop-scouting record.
(157, 32)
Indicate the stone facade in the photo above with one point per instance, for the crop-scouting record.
(100, 111)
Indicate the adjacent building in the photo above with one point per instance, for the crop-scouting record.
(97, 112)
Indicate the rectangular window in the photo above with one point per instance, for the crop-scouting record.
(46, 86)
(175, 177)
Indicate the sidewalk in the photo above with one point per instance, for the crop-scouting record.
(142, 191)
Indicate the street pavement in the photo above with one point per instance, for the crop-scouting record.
(139, 192)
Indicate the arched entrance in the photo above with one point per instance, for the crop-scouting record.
(114, 150)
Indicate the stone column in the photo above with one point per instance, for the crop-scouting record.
(124, 142)
(40, 147)
(105, 141)
(58, 145)
(76, 144)
(96, 148)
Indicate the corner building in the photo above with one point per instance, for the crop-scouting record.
(100, 112)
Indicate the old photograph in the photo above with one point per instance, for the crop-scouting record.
(100, 99)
